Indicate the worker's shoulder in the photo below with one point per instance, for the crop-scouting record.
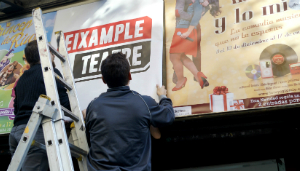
(147, 99)
(33, 73)
(98, 99)
(93, 101)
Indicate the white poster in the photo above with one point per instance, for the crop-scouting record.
(95, 30)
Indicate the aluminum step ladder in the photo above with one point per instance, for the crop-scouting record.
(48, 111)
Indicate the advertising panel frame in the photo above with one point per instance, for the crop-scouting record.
(197, 111)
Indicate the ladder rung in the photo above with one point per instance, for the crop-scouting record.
(73, 153)
(77, 150)
(62, 81)
(70, 114)
(56, 53)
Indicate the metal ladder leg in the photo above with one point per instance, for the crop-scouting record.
(42, 107)
(56, 141)
(51, 90)
(25, 142)
(78, 133)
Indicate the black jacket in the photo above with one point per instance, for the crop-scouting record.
(29, 87)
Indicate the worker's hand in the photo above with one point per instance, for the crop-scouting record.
(84, 113)
(161, 90)
(155, 132)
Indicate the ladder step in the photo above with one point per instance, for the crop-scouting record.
(63, 82)
(70, 114)
(77, 152)
(56, 53)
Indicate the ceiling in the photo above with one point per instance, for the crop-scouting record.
(15, 8)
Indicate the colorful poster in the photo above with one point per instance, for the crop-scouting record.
(232, 54)
(95, 30)
(14, 35)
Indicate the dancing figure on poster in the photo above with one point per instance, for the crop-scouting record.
(186, 39)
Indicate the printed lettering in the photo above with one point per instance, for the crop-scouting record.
(89, 64)
(106, 38)
(136, 55)
(68, 41)
(218, 25)
(119, 30)
(273, 7)
(93, 63)
(85, 62)
(127, 35)
(83, 40)
(75, 41)
(138, 28)
(94, 38)
(109, 34)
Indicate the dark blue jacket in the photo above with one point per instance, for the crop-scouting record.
(28, 90)
(118, 129)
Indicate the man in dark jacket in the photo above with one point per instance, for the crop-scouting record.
(118, 121)
(29, 87)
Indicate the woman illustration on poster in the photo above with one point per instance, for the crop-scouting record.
(186, 39)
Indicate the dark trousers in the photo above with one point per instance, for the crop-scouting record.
(36, 159)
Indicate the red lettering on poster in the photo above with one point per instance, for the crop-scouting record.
(109, 34)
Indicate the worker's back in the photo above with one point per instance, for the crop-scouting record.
(27, 91)
(118, 124)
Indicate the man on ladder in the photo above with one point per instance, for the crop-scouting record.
(47, 110)
(30, 86)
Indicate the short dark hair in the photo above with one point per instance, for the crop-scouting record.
(115, 70)
(32, 53)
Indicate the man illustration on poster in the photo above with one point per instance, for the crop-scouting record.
(187, 37)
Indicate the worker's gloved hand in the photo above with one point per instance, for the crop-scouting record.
(161, 90)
